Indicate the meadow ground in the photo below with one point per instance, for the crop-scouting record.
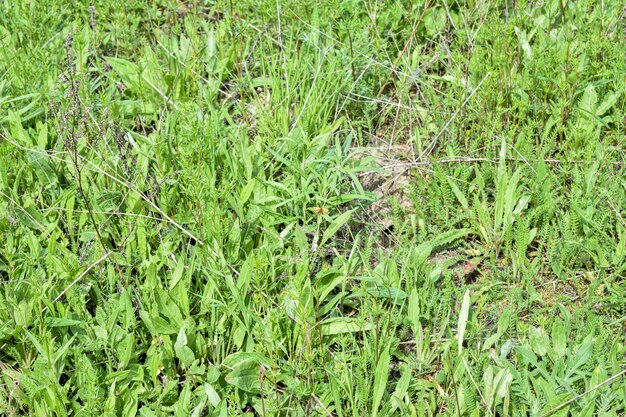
(334, 208)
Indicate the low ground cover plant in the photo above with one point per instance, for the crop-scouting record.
(274, 208)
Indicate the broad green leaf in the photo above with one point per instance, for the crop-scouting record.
(523, 42)
(340, 325)
(59, 354)
(556, 401)
(401, 388)
(245, 373)
(144, 411)
(109, 200)
(239, 358)
(414, 310)
(61, 322)
(559, 340)
(380, 378)
(609, 101)
(503, 324)
(125, 350)
(463, 316)
(589, 409)
(539, 340)
(589, 99)
(157, 324)
(394, 294)
(178, 273)
(458, 193)
(502, 385)
(246, 192)
(212, 395)
(36, 343)
(42, 167)
(18, 133)
(336, 225)
(183, 352)
(583, 354)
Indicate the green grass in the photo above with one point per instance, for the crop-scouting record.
(271, 208)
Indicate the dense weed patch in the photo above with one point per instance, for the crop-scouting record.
(352, 208)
